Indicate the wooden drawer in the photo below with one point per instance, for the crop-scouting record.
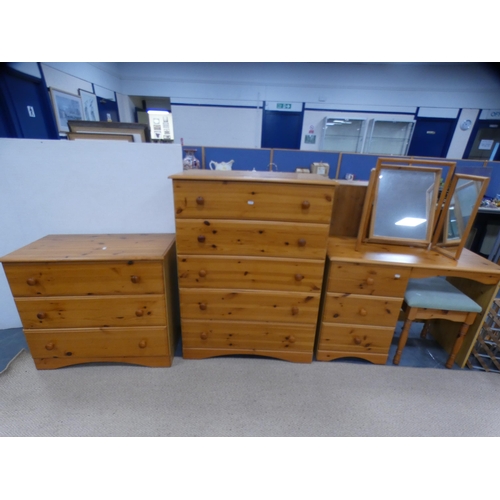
(361, 279)
(255, 238)
(248, 335)
(252, 200)
(97, 343)
(79, 278)
(355, 338)
(250, 273)
(102, 311)
(245, 305)
(361, 309)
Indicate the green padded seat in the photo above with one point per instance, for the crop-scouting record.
(437, 293)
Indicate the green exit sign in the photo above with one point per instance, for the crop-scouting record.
(284, 105)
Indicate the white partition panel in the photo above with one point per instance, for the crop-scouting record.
(71, 187)
(235, 127)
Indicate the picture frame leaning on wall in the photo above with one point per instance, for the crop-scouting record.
(90, 108)
(66, 107)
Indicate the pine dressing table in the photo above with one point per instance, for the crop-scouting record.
(365, 288)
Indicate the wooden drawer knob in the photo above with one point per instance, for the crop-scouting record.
(302, 242)
(370, 281)
(362, 311)
(357, 340)
(201, 238)
(203, 335)
(203, 306)
(49, 346)
(143, 344)
(299, 277)
(295, 310)
(134, 279)
(291, 339)
(200, 200)
(305, 204)
(41, 315)
(31, 281)
(202, 273)
(139, 313)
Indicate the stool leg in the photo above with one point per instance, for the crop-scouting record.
(457, 345)
(425, 329)
(402, 341)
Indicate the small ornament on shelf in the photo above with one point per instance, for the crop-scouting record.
(190, 161)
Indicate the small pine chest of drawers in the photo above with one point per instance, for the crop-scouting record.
(362, 301)
(97, 298)
(251, 253)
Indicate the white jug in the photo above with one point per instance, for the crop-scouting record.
(222, 165)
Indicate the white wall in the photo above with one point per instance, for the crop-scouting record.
(217, 127)
(447, 85)
(439, 88)
(71, 187)
(461, 137)
(105, 75)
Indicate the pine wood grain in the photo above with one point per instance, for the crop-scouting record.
(69, 312)
(253, 201)
(252, 248)
(422, 262)
(78, 278)
(292, 275)
(292, 356)
(375, 358)
(247, 335)
(361, 309)
(97, 247)
(252, 238)
(362, 279)
(355, 338)
(242, 305)
(97, 298)
(149, 361)
(97, 342)
(251, 176)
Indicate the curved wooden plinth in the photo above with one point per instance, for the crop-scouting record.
(378, 359)
(152, 361)
(294, 357)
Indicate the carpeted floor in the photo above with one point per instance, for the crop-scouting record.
(247, 396)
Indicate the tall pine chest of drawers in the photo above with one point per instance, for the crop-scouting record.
(251, 249)
(97, 298)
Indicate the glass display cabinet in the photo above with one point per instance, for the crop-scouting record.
(344, 134)
(389, 137)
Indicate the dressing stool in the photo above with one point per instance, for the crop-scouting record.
(436, 298)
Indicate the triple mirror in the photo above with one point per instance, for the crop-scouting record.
(458, 214)
(401, 205)
(409, 203)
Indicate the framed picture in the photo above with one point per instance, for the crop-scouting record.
(66, 107)
(89, 106)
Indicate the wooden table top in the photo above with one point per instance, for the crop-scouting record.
(97, 247)
(257, 176)
(344, 248)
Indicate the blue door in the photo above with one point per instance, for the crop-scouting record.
(484, 141)
(108, 110)
(432, 137)
(281, 129)
(25, 101)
